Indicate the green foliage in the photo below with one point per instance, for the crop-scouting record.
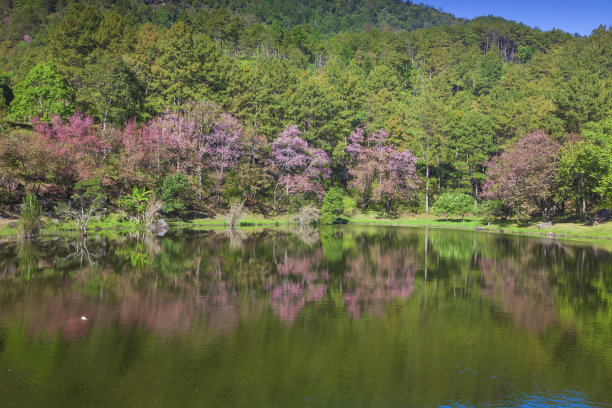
(29, 219)
(113, 92)
(526, 52)
(188, 67)
(89, 190)
(135, 204)
(175, 192)
(6, 93)
(488, 209)
(350, 205)
(88, 198)
(332, 209)
(491, 69)
(42, 94)
(330, 17)
(600, 134)
(453, 204)
(582, 98)
(455, 95)
(584, 174)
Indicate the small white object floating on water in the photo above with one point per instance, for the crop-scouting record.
(83, 317)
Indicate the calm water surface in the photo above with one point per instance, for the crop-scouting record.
(341, 317)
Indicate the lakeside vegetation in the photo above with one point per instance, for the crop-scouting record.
(601, 235)
(134, 110)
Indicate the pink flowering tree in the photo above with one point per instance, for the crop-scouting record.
(138, 154)
(222, 148)
(379, 172)
(523, 177)
(163, 145)
(75, 147)
(299, 168)
(175, 137)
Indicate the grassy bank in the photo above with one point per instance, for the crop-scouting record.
(559, 229)
(565, 230)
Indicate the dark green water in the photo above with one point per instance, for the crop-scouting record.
(344, 317)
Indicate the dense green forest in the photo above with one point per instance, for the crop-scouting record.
(274, 103)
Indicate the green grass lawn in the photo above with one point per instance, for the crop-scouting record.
(560, 229)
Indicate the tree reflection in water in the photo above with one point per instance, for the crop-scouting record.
(166, 284)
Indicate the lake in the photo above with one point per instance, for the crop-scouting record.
(351, 316)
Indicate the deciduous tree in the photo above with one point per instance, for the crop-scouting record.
(524, 176)
(222, 148)
(380, 172)
(43, 94)
(299, 168)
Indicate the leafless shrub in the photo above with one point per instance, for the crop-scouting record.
(236, 214)
(308, 214)
(151, 213)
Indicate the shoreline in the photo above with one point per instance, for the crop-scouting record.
(561, 230)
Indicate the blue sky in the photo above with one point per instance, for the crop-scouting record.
(568, 15)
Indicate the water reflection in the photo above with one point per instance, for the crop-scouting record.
(428, 312)
(378, 274)
(162, 283)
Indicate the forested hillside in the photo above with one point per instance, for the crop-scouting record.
(274, 103)
(329, 17)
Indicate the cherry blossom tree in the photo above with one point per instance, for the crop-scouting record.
(204, 115)
(175, 136)
(523, 177)
(75, 146)
(222, 148)
(138, 153)
(380, 172)
(164, 144)
(299, 168)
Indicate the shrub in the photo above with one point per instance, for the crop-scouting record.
(88, 199)
(488, 209)
(29, 221)
(453, 204)
(235, 214)
(308, 214)
(175, 192)
(332, 209)
(350, 205)
(151, 213)
(135, 204)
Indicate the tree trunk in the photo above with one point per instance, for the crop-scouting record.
(275, 189)
(427, 190)
(439, 176)
(200, 182)
(583, 199)
(219, 181)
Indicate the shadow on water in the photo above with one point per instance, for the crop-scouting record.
(338, 316)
